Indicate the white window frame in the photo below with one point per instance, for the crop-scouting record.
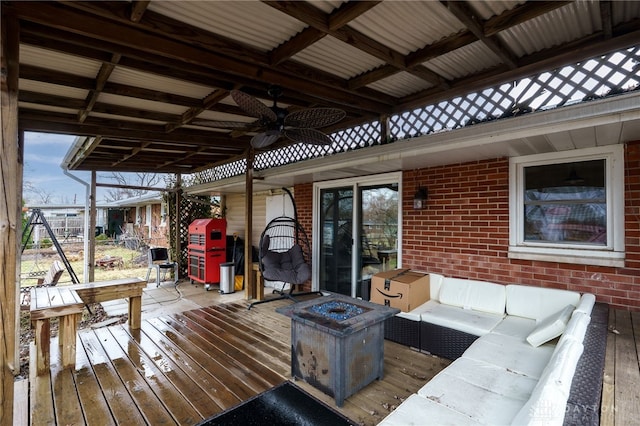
(612, 253)
(163, 214)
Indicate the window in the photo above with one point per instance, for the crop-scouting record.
(568, 207)
(163, 214)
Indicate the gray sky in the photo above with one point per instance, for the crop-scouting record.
(43, 154)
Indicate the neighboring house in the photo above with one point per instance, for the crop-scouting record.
(143, 218)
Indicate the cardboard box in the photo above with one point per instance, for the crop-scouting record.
(400, 288)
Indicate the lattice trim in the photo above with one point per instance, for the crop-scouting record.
(596, 78)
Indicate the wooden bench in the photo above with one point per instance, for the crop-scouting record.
(124, 288)
(55, 302)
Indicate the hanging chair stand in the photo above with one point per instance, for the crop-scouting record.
(284, 256)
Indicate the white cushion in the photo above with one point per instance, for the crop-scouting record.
(546, 407)
(416, 314)
(482, 405)
(477, 295)
(586, 303)
(576, 328)
(548, 401)
(435, 280)
(491, 377)
(511, 353)
(416, 410)
(515, 327)
(563, 363)
(466, 320)
(538, 302)
(550, 327)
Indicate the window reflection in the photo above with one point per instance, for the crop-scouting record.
(566, 203)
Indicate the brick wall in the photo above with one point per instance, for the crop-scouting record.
(464, 231)
(303, 195)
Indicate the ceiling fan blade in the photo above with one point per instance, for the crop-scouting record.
(308, 136)
(264, 139)
(222, 124)
(314, 118)
(252, 106)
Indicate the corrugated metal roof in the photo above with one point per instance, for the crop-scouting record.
(52, 89)
(121, 117)
(400, 84)
(488, 9)
(559, 26)
(336, 57)
(47, 108)
(123, 75)
(71, 64)
(622, 10)
(141, 104)
(464, 61)
(405, 26)
(249, 22)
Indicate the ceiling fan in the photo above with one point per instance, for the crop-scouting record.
(275, 122)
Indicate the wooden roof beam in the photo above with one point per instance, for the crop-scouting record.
(468, 17)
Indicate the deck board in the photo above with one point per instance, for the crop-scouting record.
(123, 408)
(180, 363)
(92, 400)
(178, 406)
(184, 367)
(627, 375)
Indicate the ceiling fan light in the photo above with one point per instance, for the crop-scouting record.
(263, 140)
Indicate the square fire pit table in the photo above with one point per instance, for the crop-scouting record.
(337, 343)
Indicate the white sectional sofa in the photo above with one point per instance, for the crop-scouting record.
(516, 351)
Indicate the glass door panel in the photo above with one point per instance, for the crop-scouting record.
(378, 227)
(336, 242)
(351, 254)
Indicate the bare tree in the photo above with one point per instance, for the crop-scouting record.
(39, 195)
(134, 179)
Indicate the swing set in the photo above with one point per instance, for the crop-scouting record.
(51, 276)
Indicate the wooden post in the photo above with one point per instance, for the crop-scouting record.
(178, 223)
(90, 258)
(250, 288)
(10, 212)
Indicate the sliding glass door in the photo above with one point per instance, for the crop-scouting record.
(357, 230)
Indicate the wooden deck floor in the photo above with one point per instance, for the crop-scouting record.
(182, 368)
(621, 387)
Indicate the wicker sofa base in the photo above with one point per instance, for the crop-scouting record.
(403, 331)
(583, 405)
(445, 342)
